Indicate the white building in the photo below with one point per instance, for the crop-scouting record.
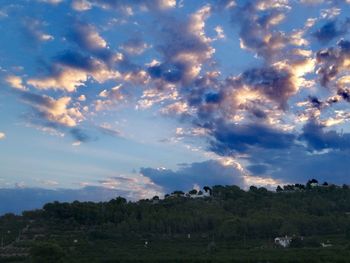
(283, 241)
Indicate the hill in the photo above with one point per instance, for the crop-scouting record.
(311, 221)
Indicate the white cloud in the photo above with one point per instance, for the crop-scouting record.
(165, 4)
(2, 136)
(81, 5)
(52, 2)
(69, 79)
(76, 143)
(15, 82)
(82, 98)
(57, 111)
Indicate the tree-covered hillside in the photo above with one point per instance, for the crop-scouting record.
(229, 225)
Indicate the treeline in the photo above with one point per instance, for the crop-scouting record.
(229, 213)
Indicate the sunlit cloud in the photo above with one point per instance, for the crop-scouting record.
(15, 82)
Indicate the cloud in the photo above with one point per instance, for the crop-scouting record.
(256, 21)
(228, 139)
(15, 82)
(136, 186)
(184, 49)
(317, 139)
(52, 110)
(115, 93)
(134, 46)
(52, 2)
(76, 60)
(127, 6)
(312, 1)
(203, 173)
(33, 31)
(82, 97)
(71, 70)
(80, 136)
(257, 169)
(81, 5)
(276, 84)
(63, 78)
(107, 129)
(2, 135)
(331, 62)
(298, 165)
(87, 38)
(331, 30)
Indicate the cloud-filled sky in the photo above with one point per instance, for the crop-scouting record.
(144, 97)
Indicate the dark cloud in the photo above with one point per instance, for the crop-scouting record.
(75, 60)
(332, 61)
(277, 85)
(204, 173)
(80, 135)
(331, 30)
(36, 99)
(88, 39)
(239, 138)
(184, 47)
(213, 97)
(297, 165)
(256, 23)
(315, 102)
(257, 169)
(344, 93)
(318, 139)
(169, 72)
(327, 32)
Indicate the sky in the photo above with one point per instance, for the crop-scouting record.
(101, 98)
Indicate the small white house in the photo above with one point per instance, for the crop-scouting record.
(327, 244)
(283, 241)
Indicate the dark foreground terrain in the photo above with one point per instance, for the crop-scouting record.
(230, 225)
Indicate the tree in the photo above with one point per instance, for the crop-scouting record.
(193, 192)
(207, 189)
(253, 188)
(178, 193)
(47, 252)
(311, 183)
(296, 242)
(279, 189)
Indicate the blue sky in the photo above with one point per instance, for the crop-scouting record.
(149, 96)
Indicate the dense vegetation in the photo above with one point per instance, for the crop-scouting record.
(231, 225)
